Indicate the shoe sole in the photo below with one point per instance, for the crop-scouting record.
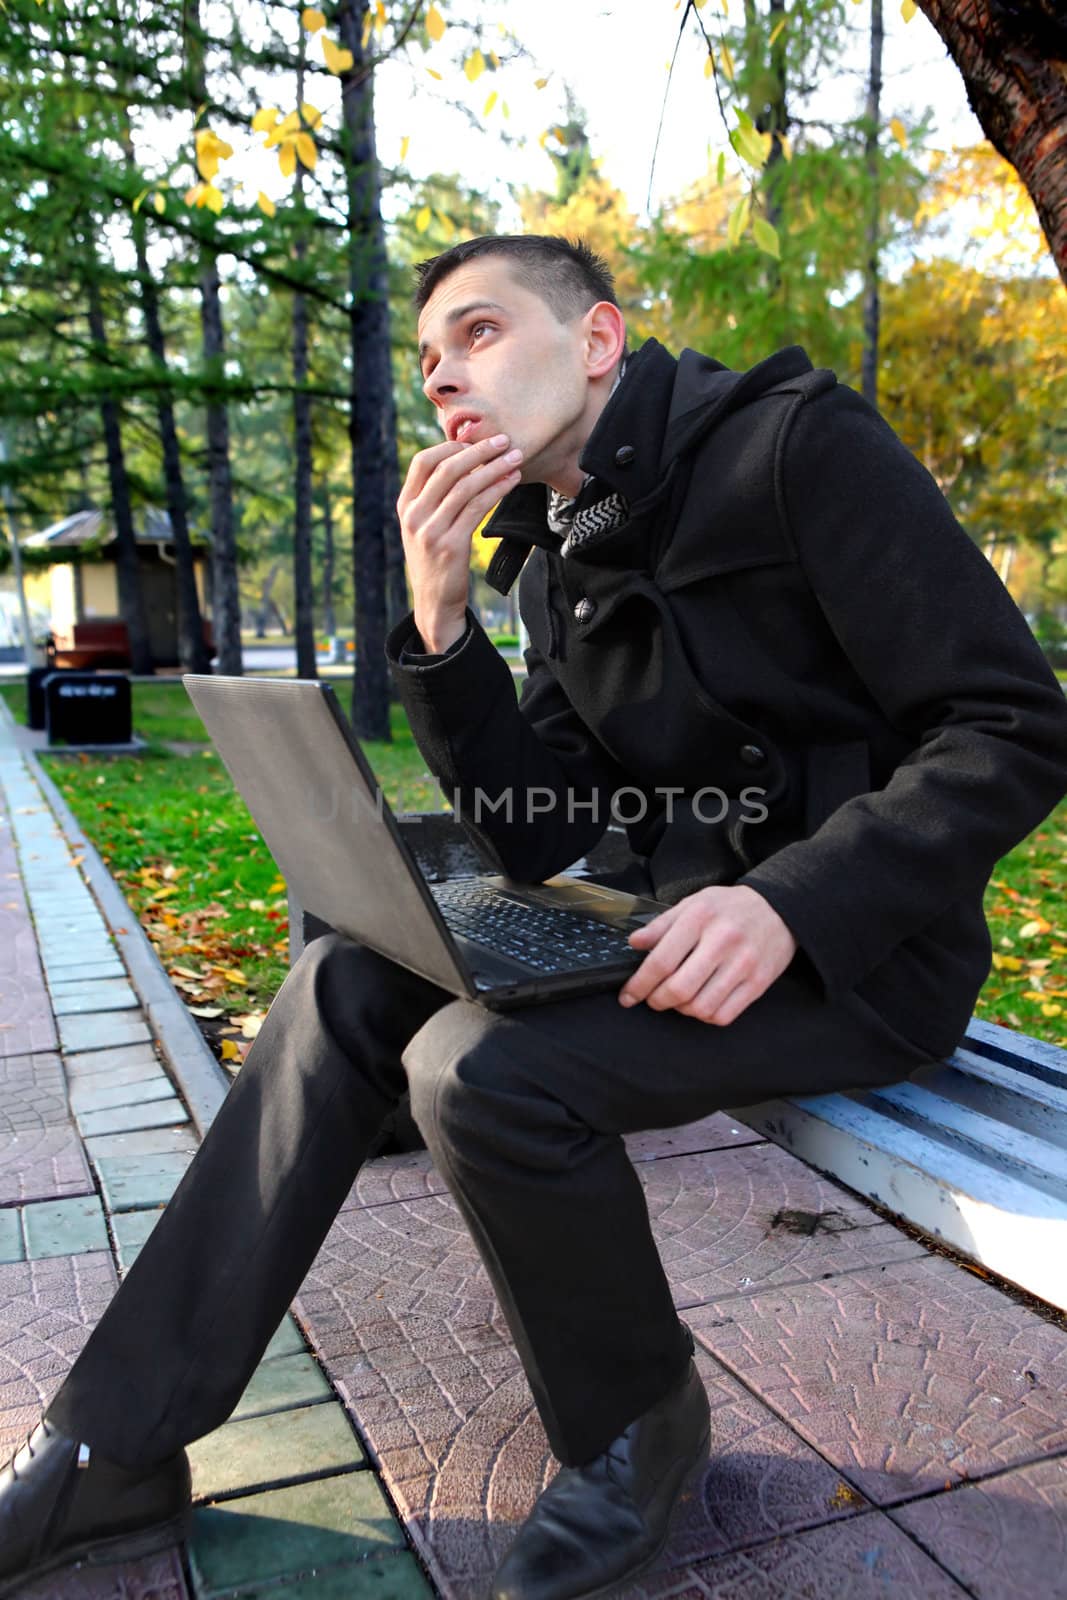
(694, 1471)
(131, 1546)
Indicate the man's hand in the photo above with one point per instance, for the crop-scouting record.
(711, 955)
(447, 492)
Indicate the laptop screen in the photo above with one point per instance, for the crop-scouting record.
(302, 775)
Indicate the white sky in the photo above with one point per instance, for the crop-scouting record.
(614, 57)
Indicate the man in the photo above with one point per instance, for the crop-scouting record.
(752, 615)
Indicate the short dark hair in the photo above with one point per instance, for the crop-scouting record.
(565, 273)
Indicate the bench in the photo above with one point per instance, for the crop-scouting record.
(972, 1150)
(102, 642)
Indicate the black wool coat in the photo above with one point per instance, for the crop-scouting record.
(789, 668)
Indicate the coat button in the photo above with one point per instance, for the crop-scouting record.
(624, 455)
(585, 610)
(752, 755)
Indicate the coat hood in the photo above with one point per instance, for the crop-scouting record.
(662, 408)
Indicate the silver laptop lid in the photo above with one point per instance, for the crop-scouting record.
(300, 771)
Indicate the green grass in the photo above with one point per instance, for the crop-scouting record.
(1026, 908)
(160, 710)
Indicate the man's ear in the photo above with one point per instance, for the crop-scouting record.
(605, 338)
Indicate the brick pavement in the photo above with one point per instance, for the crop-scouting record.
(885, 1422)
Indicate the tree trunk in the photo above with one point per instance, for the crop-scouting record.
(369, 333)
(871, 290)
(131, 598)
(193, 652)
(227, 600)
(329, 621)
(306, 666)
(1011, 54)
(397, 604)
(266, 601)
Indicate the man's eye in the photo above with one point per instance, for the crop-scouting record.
(479, 327)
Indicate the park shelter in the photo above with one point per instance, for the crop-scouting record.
(81, 585)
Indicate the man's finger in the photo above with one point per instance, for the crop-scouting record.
(689, 979)
(453, 463)
(668, 954)
(470, 488)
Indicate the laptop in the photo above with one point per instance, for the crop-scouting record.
(299, 768)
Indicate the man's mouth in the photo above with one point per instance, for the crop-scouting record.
(462, 426)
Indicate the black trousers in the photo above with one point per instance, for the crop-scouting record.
(523, 1113)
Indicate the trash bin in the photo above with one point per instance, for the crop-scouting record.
(88, 708)
(35, 679)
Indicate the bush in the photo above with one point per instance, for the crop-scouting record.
(1050, 631)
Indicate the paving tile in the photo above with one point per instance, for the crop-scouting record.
(102, 1031)
(97, 994)
(45, 1165)
(390, 1577)
(129, 1118)
(267, 1452)
(26, 1023)
(65, 1227)
(906, 1377)
(11, 1247)
(47, 1309)
(94, 948)
(1002, 1538)
(69, 970)
(138, 1182)
(144, 1142)
(126, 1064)
(100, 1092)
(866, 1558)
(41, 1157)
(411, 1176)
(291, 1532)
(279, 1384)
(287, 1341)
(131, 1229)
(33, 1094)
(153, 1578)
(720, 1131)
(733, 1221)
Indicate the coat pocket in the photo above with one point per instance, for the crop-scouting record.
(833, 774)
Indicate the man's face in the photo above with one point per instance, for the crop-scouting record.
(496, 360)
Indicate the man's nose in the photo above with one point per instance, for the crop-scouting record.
(440, 385)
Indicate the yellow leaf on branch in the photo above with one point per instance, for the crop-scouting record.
(433, 74)
(540, 83)
(776, 31)
(908, 9)
(379, 16)
(423, 219)
(474, 66)
(489, 104)
(287, 159)
(336, 59)
(210, 150)
(709, 65)
(264, 119)
(435, 24)
(404, 143)
(305, 149)
(766, 237)
(727, 60)
(899, 132)
(266, 204)
(312, 19)
(311, 114)
(159, 203)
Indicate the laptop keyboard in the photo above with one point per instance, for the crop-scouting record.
(546, 940)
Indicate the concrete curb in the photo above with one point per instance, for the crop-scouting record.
(200, 1079)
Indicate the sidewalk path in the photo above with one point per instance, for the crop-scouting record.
(885, 1423)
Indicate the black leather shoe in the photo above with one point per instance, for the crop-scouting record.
(598, 1525)
(60, 1502)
